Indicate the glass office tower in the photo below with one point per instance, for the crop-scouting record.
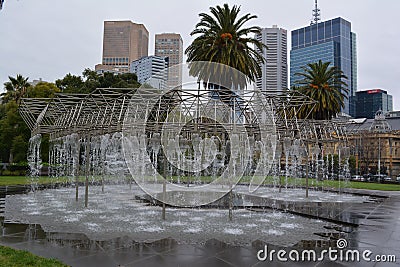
(331, 41)
(370, 101)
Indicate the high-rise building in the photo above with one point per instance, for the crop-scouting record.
(123, 42)
(274, 76)
(368, 102)
(171, 45)
(329, 41)
(151, 70)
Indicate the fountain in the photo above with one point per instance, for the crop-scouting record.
(34, 159)
(211, 164)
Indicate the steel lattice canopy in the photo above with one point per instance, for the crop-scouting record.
(103, 111)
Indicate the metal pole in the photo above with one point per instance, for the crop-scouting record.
(379, 157)
(230, 204)
(307, 177)
(164, 198)
(87, 156)
(164, 187)
(76, 188)
(77, 170)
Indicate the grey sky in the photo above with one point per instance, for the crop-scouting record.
(50, 38)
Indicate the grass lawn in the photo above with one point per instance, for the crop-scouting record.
(333, 184)
(23, 180)
(17, 258)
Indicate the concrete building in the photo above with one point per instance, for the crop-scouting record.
(36, 82)
(171, 45)
(330, 41)
(151, 70)
(101, 69)
(375, 143)
(123, 42)
(368, 102)
(274, 76)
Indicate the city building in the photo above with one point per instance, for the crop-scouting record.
(393, 114)
(101, 69)
(123, 42)
(375, 144)
(171, 45)
(329, 41)
(274, 77)
(151, 70)
(36, 82)
(368, 102)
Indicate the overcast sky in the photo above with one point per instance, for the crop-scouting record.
(50, 38)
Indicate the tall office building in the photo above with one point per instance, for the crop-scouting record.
(329, 41)
(368, 102)
(151, 70)
(274, 76)
(123, 42)
(171, 45)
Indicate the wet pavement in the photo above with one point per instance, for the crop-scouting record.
(378, 230)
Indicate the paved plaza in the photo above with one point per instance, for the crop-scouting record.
(372, 225)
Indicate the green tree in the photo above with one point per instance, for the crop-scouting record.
(91, 80)
(125, 80)
(19, 148)
(352, 165)
(43, 90)
(70, 84)
(328, 163)
(16, 89)
(14, 134)
(325, 85)
(222, 38)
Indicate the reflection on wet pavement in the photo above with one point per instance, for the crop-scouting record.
(189, 236)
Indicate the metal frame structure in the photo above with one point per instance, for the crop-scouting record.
(104, 110)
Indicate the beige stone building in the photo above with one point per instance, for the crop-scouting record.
(375, 143)
(123, 42)
(374, 150)
(171, 45)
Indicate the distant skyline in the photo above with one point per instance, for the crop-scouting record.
(48, 39)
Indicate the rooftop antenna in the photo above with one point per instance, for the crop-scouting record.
(316, 14)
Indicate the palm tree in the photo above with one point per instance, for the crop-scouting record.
(325, 85)
(222, 38)
(16, 88)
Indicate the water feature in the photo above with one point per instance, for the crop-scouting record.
(34, 160)
(115, 213)
(186, 150)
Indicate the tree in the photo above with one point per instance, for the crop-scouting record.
(14, 134)
(43, 90)
(16, 89)
(325, 85)
(19, 148)
(91, 81)
(13, 131)
(222, 38)
(70, 84)
(352, 165)
(125, 80)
